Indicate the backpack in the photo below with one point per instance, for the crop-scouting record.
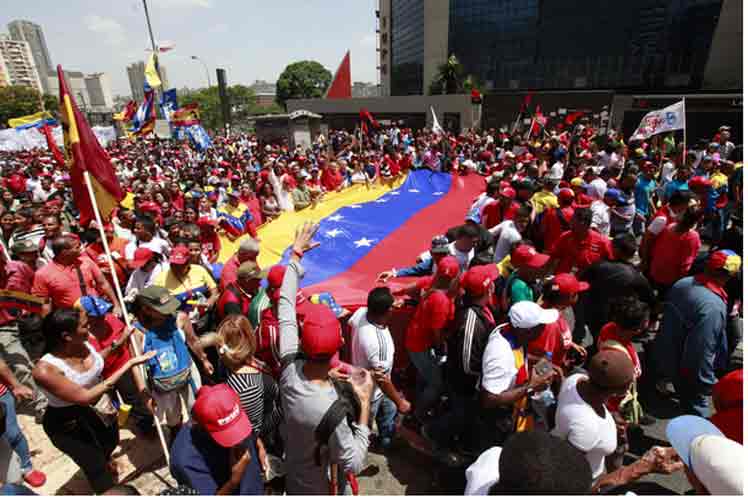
(171, 368)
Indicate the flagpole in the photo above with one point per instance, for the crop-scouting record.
(155, 51)
(529, 132)
(516, 122)
(120, 297)
(685, 142)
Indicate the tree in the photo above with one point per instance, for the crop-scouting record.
(448, 77)
(242, 99)
(302, 80)
(17, 101)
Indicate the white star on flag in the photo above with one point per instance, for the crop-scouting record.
(414, 190)
(394, 193)
(363, 242)
(336, 217)
(438, 193)
(355, 206)
(333, 233)
(381, 201)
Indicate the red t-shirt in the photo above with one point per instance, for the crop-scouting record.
(580, 254)
(18, 277)
(267, 340)
(556, 339)
(432, 313)
(107, 331)
(673, 254)
(494, 213)
(330, 179)
(550, 225)
(61, 284)
(232, 295)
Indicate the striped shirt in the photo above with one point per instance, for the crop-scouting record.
(258, 394)
(371, 347)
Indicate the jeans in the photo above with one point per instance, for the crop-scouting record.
(694, 397)
(384, 411)
(17, 353)
(430, 382)
(459, 421)
(13, 433)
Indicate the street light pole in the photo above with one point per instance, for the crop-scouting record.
(207, 72)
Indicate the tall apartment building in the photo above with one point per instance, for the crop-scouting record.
(19, 63)
(136, 77)
(4, 76)
(99, 87)
(32, 34)
(76, 81)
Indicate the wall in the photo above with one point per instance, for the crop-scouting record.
(435, 39)
(724, 68)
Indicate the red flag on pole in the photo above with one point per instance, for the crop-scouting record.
(573, 116)
(526, 102)
(340, 88)
(52, 146)
(84, 153)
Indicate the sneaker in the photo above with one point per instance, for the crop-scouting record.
(35, 478)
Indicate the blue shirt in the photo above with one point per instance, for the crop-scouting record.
(693, 341)
(674, 185)
(202, 464)
(643, 193)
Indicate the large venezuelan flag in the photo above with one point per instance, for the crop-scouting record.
(363, 232)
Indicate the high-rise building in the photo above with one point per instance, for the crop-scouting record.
(557, 44)
(32, 34)
(4, 76)
(76, 81)
(99, 88)
(19, 63)
(136, 76)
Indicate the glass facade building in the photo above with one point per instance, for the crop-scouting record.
(407, 47)
(552, 44)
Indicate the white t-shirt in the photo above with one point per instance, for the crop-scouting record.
(156, 244)
(507, 236)
(600, 217)
(371, 347)
(483, 473)
(557, 171)
(579, 424)
(498, 365)
(464, 258)
(668, 170)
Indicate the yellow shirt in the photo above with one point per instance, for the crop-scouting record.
(542, 200)
(505, 266)
(718, 179)
(196, 281)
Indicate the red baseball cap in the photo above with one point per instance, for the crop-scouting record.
(525, 255)
(180, 255)
(477, 279)
(321, 335)
(448, 266)
(508, 192)
(566, 196)
(218, 410)
(567, 284)
(584, 200)
(275, 280)
(141, 257)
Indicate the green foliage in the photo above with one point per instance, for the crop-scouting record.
(51, 103)
(242, 99)
(302, 80)
(17, 101)
(451, 78)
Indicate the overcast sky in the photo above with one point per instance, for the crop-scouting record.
(251, 39)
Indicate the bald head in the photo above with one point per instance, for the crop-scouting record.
(611, 370)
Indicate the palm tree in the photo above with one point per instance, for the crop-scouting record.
(449, 76)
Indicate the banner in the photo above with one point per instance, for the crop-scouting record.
(670, 118)
(12, 140)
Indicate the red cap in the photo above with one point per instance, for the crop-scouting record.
(566, 196)
(583, 200)
(699, 182)
(525, 255)
(321, 336)
(567, 284)
(141, 257)
(728, 392)
(275, 280)
(218, 410)
(477, 279)
(508, 192)
(150, 207)
(448, 266)
(180, 255)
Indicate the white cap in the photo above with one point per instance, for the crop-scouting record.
(528, 315)
(717, 462)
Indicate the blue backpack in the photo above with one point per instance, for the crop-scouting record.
(171, 368)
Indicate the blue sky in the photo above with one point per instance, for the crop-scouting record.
(251, 39)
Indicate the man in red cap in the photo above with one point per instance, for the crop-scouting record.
(217, 453)
(426, 333)
(557, 220)
(473, 324)
(307, 393)
(145, 232)
(502, 209)
(521, 285)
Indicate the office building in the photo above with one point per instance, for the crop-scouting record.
(360, 89)
(32, 34)
(136, 76)
(557, 44)
(99, 87)
(4, 76)
(76, 82)
(19, 63)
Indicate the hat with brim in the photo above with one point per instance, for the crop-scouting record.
(528, 315)
(681, 432)
(142, 256)
(95, 307)
(159, 299)
(250, 269)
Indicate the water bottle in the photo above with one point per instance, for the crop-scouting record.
(541, 401)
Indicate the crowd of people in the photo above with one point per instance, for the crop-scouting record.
(591, 269)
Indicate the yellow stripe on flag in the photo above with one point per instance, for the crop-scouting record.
(277, 236)
(69, 128)
(151, 75)
(30, 119)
